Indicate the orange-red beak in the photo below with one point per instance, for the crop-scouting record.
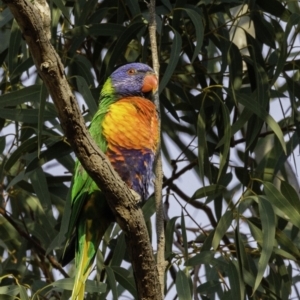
(150, 83)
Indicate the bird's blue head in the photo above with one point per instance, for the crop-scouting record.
(134, 79)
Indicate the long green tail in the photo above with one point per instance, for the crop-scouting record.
(92, 224)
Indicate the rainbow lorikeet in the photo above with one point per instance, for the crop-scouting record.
(125, 128)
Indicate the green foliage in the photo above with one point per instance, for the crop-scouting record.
(230, 94)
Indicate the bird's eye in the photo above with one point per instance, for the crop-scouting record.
(131, 71)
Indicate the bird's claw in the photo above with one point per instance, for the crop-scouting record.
(137, 197)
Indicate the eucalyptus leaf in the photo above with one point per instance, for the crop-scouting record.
(125, 279)
(221, 228)
(182, 286)
(283, 204)
(25, 115)
(174, 57)
(268, 229)
(28, 94)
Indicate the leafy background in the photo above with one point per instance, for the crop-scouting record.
(229, 94)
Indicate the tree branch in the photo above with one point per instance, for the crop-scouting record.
(288, 128)
(39, 249)
(120, 199)
(203, 207)
(160, 232)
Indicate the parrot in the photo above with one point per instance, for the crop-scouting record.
(125, 128)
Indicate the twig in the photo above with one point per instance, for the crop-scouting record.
(203, 207)
(174, 176)
(160, 232)
(264, 134)
(40, 250)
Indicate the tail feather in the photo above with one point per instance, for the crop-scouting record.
(83, 270)
(92, 224)
(88, 242)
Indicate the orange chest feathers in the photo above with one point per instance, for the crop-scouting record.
(131, 123)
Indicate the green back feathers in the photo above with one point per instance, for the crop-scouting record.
(82, 184)
(107, 97)
(107, 89)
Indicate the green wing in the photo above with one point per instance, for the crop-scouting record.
(82, 185)
(90, 216)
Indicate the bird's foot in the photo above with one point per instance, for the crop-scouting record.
(137, 197)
